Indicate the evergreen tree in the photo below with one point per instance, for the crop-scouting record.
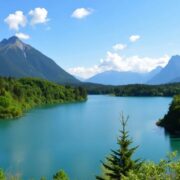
(120, 161)
(60, 175)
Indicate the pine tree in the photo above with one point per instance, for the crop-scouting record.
(120, 161)
(60, 175)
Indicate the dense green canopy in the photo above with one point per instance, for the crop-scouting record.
(134, 89)
(20, 95)
(171, 121)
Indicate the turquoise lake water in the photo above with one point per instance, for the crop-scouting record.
(76, 137)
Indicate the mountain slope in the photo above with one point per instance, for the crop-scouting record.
(123, 78)
(176, 80)
(18, 59)
(169, 73)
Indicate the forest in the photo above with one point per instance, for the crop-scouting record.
(19, 95)
(134, 89)
(171, 121)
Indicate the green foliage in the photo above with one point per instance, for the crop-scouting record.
(20, 95)
(8, 176)
(171, 121)
(148, 90)
(168, 169)
(60, 175)
(120, 161)
(5, 101)
(120, 165)
(2, 175)
(134, 90)
(43, 178)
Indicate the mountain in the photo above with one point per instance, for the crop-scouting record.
(154, 72)
(123, 78)
(18, 59)
(176, 80)
(171, 72)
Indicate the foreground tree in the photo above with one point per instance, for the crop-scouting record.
(2, 175)
(120, 161)
(60, 175)
(167, 169)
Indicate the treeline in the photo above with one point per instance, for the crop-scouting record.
(135, 89)
(95, 89)
(171, 121)
(148, 90)
(20, 95)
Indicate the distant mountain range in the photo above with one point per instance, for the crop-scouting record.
(18, 59)
(122, 78)
(175, 80)
(169, 74)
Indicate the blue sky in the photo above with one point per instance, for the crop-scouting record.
(84, 46)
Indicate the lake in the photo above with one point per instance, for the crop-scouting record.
(76, 137)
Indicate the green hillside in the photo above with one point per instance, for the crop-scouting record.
(20, 95)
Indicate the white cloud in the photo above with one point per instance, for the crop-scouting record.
(39, 16)
(119, 46)
(114, 61)
(84, 72)
(81, 13)
(16, 20)
(22, 36)
(134, 38)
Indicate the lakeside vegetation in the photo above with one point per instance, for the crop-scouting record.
(20, 95)
(148, 90)
(134, 89)
(171, 121)
(60, 175)
(120, 164)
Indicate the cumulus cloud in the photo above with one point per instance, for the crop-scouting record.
(16, 20)
(84, 72)
(22, 36)
(134, 38)
(119, 46)
(81, 13)
(39, 16)
(114, 61)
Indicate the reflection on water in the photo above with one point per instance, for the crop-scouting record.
(175, 144)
